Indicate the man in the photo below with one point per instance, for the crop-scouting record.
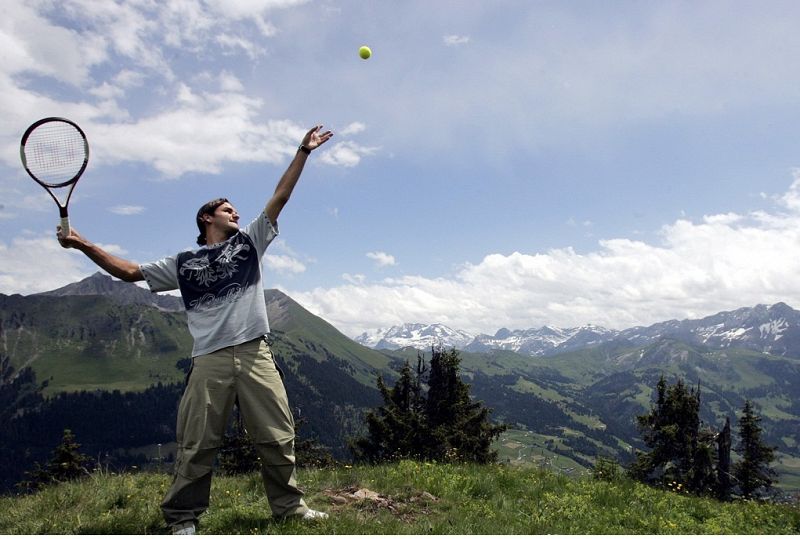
(221, 286)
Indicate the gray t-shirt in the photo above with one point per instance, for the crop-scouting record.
(221, 287)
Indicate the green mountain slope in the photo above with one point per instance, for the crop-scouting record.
(91, 342)
(298, 331)
(601, 390)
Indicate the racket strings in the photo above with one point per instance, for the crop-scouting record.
(55, 152)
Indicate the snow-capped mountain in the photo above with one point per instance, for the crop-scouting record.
(773, 329)
(419, 336)
(535, 342)
(543, 341)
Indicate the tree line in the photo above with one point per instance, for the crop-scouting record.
(686, 454)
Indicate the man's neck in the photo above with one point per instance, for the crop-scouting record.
(213, 237)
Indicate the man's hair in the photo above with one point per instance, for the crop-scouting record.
(207, 209)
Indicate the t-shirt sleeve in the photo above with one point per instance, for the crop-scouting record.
(262, 231)
(161, 275)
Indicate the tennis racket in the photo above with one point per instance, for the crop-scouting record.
(55, 153)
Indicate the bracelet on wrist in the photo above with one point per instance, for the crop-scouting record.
(304, 149)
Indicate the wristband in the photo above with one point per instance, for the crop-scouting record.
(304, 149)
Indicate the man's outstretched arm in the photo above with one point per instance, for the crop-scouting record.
(313, 140)
(114, 265)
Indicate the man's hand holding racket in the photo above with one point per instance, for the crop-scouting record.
(72, 241)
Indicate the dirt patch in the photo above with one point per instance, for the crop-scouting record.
(407, 509)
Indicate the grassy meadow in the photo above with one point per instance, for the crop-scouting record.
(402, 498)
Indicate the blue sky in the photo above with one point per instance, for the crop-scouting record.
(494, 164)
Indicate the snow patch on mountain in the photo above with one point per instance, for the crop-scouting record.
(420, 336)
(771, 329)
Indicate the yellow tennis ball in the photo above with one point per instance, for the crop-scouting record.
(364, 52)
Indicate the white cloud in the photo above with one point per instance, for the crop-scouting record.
(723, 262)
(453, 40)
(198, 132)
(16, 200)
(31, 251)
(352, 129)
(244, 9)
(357, 279)
(188, 128)
(203, 132)
(230, 83)
(381, 259)
(113, 248)
(284, 264)
(791, 199)
(346, 154)
(31, 43)
(233, 42)
(127, 210)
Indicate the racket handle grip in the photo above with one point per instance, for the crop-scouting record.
(65, 226)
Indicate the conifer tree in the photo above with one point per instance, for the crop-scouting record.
(66, 463)
(703, 472)
(397, 429)
(682, 455)
(752, 472)
(461, 426)
(440, 424)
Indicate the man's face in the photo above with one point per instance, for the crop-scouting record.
(225, 219)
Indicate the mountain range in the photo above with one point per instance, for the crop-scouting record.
(771, 329)
(123, 293)
(108, 359)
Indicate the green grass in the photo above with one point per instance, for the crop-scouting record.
(522, 448)
(415, 498)
(788, 469)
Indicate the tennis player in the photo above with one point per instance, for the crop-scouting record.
(221, 286)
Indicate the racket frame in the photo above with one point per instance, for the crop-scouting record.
(62, 209)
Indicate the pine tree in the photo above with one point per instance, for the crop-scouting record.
(703, 472)
(461, 426)
(752, 472)
(441, 424)
(397, 429)
(66, 464)
(682, 454)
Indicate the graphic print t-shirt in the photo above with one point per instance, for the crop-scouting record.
(221, 287)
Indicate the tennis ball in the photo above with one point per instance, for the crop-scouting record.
(364, 52)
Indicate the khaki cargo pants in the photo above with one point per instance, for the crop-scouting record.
(247, 371)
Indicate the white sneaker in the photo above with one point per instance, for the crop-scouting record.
(184, 528)
(313, 514)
